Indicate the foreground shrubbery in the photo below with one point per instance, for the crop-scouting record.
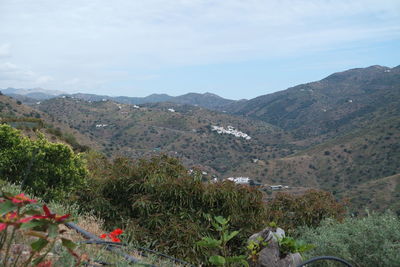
(309, 209)
(164, 207)
(161, 206)
(50, 170)
(370, 241)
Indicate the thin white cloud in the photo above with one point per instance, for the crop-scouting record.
(12, 75)
(5, 50)
(84, 39)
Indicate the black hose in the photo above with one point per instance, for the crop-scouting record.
(331, 258)
(114, 249)
(102, 242)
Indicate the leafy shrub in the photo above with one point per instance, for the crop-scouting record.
(290, 211)
(288, 245)
(50, 170)
(161, 205)
(217, 248)
(369, 241)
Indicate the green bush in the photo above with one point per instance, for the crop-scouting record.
(369, 241)
(291, 211)
(49, 170)
(168, 209)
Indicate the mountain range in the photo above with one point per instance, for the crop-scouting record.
(206, 100)
(341, 133)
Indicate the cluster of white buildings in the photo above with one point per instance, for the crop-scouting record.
(239, 180)
(230, 130)
(171, 110)
(101, 125)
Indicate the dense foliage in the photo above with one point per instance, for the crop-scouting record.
(369, 241)
(163, 206)
(168, 209)
(290, 211)
(50, 170)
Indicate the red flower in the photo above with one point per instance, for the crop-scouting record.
(117, 232)
(54, 216)
(113, 235)
(115, 239)
(103, 236)
(48, 215)
(21, 198)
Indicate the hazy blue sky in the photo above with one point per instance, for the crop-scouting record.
(234, 48)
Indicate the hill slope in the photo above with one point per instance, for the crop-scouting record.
(27, 119)
(333, 105)
(180, 130)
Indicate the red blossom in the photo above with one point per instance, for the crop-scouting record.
(21, 198)
(49, 215)
(117, 232)
(113, 235)
(115, 239)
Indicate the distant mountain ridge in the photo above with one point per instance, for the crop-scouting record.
(206, 100)
(35, 93)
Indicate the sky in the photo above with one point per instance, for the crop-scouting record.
(234, 48)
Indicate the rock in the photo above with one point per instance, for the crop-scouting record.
(270, 255)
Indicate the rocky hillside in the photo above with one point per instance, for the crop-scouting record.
(29, 120)
(332, 106)
(220, 143)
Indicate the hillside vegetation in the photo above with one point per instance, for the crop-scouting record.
(183, 131)
(343, 101)
(338, 134)
(29, 120)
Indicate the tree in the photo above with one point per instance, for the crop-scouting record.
(49, 170)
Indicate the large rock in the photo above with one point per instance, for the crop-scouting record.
(270, 255)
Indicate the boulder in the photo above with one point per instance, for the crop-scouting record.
(270, 255)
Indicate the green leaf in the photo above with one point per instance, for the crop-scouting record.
(244, 263)
(209, 242)
(217, 260)
(39, 244)
(32, 212)
(6, 207)
(30, 225)
(228, 237)
(234, 259)
(53, 230)
(37, 261)
(221, 220)
(68, 243)
(217, 226)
